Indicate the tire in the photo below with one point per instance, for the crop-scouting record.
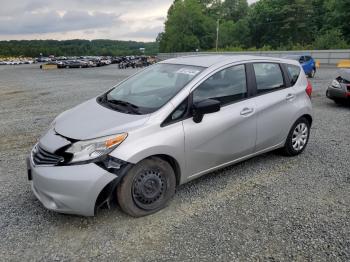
(298, 135)
(312, 73)
(147, 188)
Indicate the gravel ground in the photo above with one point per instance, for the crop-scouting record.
(267, 208)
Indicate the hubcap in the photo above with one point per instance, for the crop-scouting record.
(148, 188)
(300, 136)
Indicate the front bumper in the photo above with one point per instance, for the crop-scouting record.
(338, 93)
(69, 189)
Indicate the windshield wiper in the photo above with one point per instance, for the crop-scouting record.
(130, 106)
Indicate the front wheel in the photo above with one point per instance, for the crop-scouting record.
(298, 138)
(147, 187)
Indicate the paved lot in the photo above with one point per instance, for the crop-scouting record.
(267, 208)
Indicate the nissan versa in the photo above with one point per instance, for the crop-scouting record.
(166, 125)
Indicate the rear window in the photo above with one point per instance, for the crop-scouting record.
(294, 72)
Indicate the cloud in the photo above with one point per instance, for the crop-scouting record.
(68, 19)
(145, 32)
(33, 23)
(138, 20)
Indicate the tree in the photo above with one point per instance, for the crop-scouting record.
(342, 11)
(266, 24)
(187, 28)
(234, 34)
(281, 22)
(330, 39)
(234, 9)
(74, 47)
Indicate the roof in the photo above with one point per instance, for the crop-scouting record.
(210, 60)
(297, 55)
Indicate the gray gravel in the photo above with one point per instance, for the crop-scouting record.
(267, 208)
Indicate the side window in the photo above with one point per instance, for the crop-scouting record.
(180, 111)
(226, 86)
(178, 114)
(294, 72)
(268, 77)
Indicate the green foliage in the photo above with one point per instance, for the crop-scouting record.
(234, 9)
(33, 48)
(187, 28)
(330, 39)
(266, 24)
(234, 34)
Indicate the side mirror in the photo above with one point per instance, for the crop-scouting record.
(204, 107)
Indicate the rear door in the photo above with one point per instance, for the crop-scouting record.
(275, 104)
(226, 135)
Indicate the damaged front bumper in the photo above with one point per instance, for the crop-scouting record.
(74, 189)
(338, 93)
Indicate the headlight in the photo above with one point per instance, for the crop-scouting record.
(336, 84)
(94, 148)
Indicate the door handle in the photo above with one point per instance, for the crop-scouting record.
(290, 97)
(247, 111)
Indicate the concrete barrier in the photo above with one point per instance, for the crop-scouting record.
(48, 66)
(325, 57)
(344, 64)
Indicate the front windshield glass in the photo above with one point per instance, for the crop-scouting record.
(151, 89)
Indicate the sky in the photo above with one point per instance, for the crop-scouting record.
(139, 20)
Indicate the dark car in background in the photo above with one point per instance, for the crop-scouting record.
(307, 62)
(75, 64)
(339, 89)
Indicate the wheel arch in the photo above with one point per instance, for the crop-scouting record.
(173, 163)
(308, 118)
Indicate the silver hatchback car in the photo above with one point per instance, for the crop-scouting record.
(166, 125)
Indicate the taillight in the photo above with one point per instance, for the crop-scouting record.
(308, 89)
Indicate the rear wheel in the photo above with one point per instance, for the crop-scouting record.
(298, 138)
(147, 187)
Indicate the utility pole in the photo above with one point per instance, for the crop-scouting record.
(217, 34)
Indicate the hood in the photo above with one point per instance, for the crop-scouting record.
(345, 74)
(91, 120)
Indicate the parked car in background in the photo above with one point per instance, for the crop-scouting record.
(339, 89)
(43, 59)
(307, 62)
(167, 125)
(75, 64)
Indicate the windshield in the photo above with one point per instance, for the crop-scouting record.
(152, 88)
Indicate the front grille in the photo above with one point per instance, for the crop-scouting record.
(43, 157)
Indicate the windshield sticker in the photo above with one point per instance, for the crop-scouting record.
(186, 71)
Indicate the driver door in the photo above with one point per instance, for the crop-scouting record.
(224, 136)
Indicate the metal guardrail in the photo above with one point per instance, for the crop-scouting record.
(325, 57)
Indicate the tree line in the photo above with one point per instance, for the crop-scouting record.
(265, 25)
(33, 48)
